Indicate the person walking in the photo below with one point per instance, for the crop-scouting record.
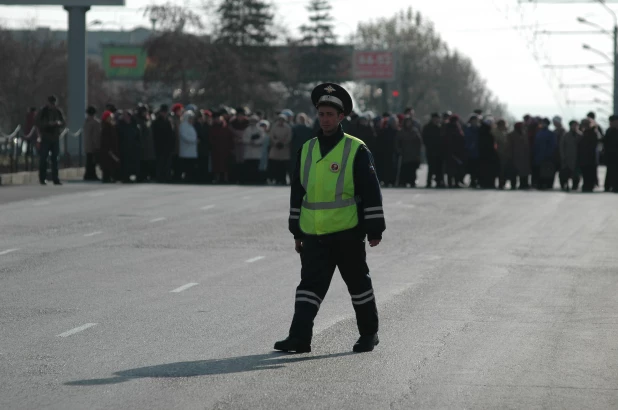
(50, 123)
(335, 203)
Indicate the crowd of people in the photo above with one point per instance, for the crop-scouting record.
(187, 144)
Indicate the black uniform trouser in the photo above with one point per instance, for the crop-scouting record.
(48, 146)
(319, 259)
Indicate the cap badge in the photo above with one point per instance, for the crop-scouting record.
(329, 89)
(334, 167)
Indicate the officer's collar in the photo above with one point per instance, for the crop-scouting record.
(335, 137)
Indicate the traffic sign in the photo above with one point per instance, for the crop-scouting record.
(374, 65)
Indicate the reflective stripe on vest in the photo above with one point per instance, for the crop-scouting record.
(329, 204)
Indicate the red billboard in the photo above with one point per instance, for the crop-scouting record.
(374, 65)
(123, 61)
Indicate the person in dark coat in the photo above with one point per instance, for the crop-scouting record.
(455, 151)
(202, 127)
(386, 162)
(587, 155)
(221, 148)
(488, 156)
(544, 160)
(471, 136)
(366, 133)
(432, 138)
(610, 147)
(301, 133)
(164, 139)
(130, 148)
(109, 154)
(50, 123)
(148, 165)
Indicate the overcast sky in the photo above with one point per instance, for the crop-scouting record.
(496, 34)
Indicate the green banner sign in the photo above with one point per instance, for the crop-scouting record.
(124, 62)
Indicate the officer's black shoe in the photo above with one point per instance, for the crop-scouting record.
(292, 344)
(366, 343)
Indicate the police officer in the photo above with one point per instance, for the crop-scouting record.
(335, 204)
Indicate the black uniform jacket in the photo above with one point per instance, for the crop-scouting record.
(366, 189)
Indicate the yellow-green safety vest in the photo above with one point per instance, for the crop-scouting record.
(329, 204)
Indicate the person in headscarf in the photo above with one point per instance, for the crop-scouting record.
(279, 156)
(222, 147)
(109, 153)
(253, 140)
(568, 157)
(408, 143)
(188, 146)
(517, 157)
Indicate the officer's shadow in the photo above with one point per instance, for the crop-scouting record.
(239, 364)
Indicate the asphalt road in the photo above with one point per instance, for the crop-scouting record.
(171, 297)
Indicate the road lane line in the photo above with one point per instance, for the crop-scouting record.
(183, 287)
(158, 219)
(76, 330)
(207, 207)
(8, 251)
(93, 233)
(257, 258)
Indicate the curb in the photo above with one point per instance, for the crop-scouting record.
(30, 178)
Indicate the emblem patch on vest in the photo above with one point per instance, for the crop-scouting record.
(334, 167)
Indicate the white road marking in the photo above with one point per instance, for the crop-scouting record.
(76, 330)
(158, 219)
(93, 233)
(183, 287)
(207, 207)
(8, 251)
(257, 258)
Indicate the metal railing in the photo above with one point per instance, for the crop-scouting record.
(20, 152)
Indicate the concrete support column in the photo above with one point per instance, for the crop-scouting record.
(77, 80)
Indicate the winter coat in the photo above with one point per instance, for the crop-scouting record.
(300, 134)
(91, 133)
(237, 127)
(366, 134)
(471, 136)
(203, 143)
(610, 146)
(544, 146)
(432, 138)
(221, 147)
(408, 145)
(188, 140)
(109, 156)
(130, 147)
(50, 123)
(568, 149)
(253, 139)
(280, 140)
(518, 152)
(455, 144)
(587, 148)
(146, 138)
(163, 136)
(265, 149)
(500, 141)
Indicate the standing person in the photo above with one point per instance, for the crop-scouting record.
(568, 157)
(279, 156)
(559, 131)
(148, 165)
(202, 127)
(335, 203)
(488, 157)
(91, 132)
(31, 135)
(518, 157)
(544, 148)
(432, 138)
(164, 142)
(238, 124)
(301, 133)
(409, 144)
(587, 155)
(610, 145)
(455, 152)
(386, 162)
(365, 132)
(50, 123)
(471, 134)
(222, 146)
(253, 139)
(187, 152)
(176, 117)
(499, 133)
(109, 154)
